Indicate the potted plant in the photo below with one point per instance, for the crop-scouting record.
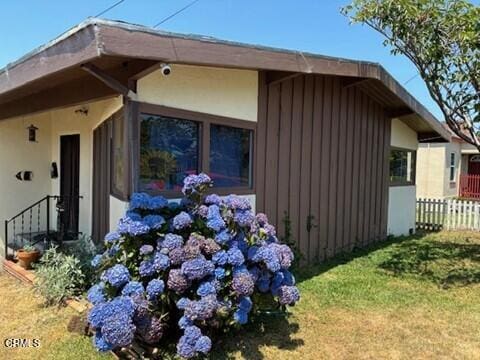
(27, 255)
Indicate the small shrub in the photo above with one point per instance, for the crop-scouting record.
(185, 273)
(59, 277)
(85, 250)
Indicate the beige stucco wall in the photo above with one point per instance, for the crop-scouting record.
(225, 92)
(401, 200)
(18, 154)
(433, 170)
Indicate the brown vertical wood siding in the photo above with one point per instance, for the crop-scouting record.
(322, 153)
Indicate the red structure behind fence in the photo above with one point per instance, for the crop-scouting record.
(470, 186)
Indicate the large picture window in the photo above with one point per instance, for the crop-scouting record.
(175, 143)
(402, 167)
(169, 151)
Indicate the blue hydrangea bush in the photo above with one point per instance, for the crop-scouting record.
(183, 273)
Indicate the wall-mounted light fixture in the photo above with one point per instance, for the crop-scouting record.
(82, 111)
(32, 133)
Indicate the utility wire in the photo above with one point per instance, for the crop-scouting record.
(176, 13)
(413, 77)
(109, 8)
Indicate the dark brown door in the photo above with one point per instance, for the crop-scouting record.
(68, 204)
(101, 181)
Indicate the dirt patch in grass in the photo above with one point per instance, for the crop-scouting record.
(23, 316)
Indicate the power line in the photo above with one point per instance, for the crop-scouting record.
(110, 8)
(413, 77)
(176, 13)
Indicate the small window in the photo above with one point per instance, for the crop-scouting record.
(402, 167)
(230, 156)
(452, 167)
(169, 151)
(118, 156)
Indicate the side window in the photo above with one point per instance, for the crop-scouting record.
(119, 181)
(230, 156)
(402, 167)
(452, 167)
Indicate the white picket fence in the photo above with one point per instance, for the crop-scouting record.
(449, 214)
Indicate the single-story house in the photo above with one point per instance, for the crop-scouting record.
(448, 169)
(111, 108)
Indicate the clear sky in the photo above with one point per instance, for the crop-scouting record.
(307, 25)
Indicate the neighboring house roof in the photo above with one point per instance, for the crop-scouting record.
(52, 75)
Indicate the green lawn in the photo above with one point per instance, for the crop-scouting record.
(407, 299)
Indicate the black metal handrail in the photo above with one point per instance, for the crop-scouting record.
(31, 211)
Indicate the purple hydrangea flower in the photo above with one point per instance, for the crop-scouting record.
(203, 345)
(209, 246)
(182, 303)
(235, 256)
(147, 268)
(157, 202)
(133, 288)
(236, 202)
(112, 236)
(100, 343)
(133, 215)
(196, 183)
(206, 288)
(243, 284)
(183, 323)
(177, 282)
(116, 276)
(269, 230)
(155, 288)
(288, 295)
(172, 241)
(96, 261)
(220, 273)
(154, 221)
(220, 258)
(202, 309)
(244, 218)
(132, 227)
(96, 294)
(161, 261)
(214, 219)
(223, 237)
(182, 221)
(262, 219)
(185, 349)
(198, 268)
(202, 211)
(177, 256)
(118, 330)
(151, 330)
(101, 312)
(139, 201)
(213, 199)
(146, 249)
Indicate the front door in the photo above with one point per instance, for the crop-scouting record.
(68, 204)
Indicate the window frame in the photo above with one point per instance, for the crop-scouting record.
(412, 182)
(452, 167)
(204, 120)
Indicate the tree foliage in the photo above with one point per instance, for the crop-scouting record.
(442, 39)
